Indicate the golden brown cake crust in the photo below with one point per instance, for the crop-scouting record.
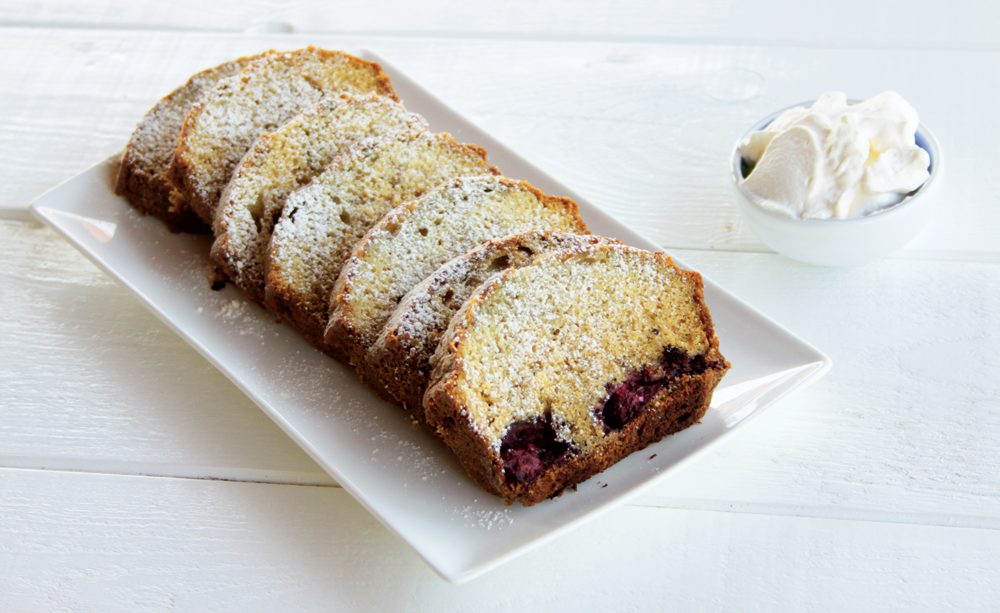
(324, 219)
(453, 406)
(672, 410)
(354, 323)
(142, 176)
(282, 160)
(528, 415)
(220, 129)
(150, 194)
(401, 354)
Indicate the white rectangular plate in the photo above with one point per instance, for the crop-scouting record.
(403, 476)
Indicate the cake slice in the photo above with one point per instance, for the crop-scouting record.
(283, 160)
(220, 128)
(401, 354)
(416, 238)
(553, 372)
(322, 220)
(142, 176)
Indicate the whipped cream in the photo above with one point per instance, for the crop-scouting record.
(834, 160)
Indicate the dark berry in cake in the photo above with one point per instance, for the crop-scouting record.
(529, 448)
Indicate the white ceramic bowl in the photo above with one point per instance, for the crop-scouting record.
(842, 242)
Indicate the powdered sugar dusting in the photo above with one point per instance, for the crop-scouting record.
(154, 141)
(232, 309)
(243, 318)
(414, 240)
(417, 324)
(322, 220)
(283, 160)
(269, 92)
(424, 310)
(532, 345)
(487, 518)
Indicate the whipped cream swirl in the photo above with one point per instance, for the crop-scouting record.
(835, 160)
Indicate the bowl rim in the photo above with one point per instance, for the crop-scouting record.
(935, 170)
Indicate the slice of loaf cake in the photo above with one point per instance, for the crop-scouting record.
(142, 176)
(220, 128)
(401, 354)
(283, 160)
(322, 220)
(553, 372)
(418, 237)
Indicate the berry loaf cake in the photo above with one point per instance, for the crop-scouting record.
(142, 176)
(416, 238)
(220, 128)
(553, 372)
(322, 220)
(283, 160)
(401, 354)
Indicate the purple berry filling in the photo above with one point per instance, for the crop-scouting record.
(529, 448)
(627, 400)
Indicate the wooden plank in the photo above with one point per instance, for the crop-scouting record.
(632, 106)
(904, 426)
(642, 130)
(139, 544)
(851, 23)
(90, 381)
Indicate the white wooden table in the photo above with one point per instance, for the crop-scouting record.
(135, 477)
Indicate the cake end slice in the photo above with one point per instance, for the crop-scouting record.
(554, 372)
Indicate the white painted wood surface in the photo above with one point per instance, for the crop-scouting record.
(643, 130)
(115, 543)
(876, 489)
(850, 23)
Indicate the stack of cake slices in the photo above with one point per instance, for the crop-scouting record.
(539, 353)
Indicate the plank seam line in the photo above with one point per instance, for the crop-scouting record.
(921, 45)
(677, 504)
(24, 216)
(262, 477)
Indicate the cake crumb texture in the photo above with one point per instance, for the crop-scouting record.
(142, 176)
(323, 220)
(545, 345)
(413, 240)
(283, 160)
(220, 129)
(402, 352)
(539, 353)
